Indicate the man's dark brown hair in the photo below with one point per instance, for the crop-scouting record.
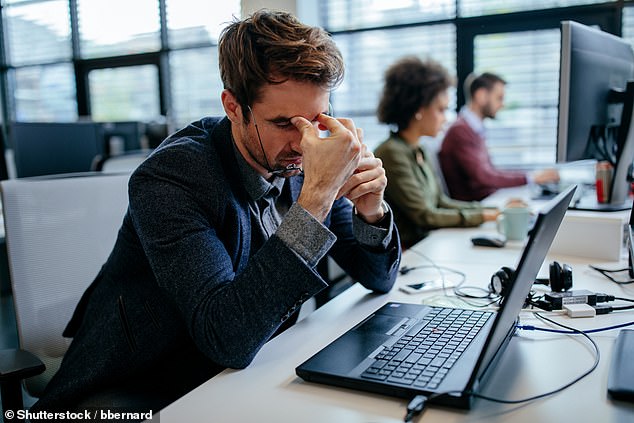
(271, 47)
(487, 80)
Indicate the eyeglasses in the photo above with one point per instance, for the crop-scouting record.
(292, 166)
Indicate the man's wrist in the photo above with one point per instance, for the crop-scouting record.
(377, 218)
(317, 206)
(305, 235)
(377, 234)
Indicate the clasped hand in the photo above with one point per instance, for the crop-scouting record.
(339, 165)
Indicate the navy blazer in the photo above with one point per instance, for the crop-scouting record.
(182, 295)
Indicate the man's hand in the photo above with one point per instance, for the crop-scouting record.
(489, 215)
(546, 176)
(328, 162)
(366, 186)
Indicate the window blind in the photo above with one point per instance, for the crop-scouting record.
(41, 75)
(194, 75)
(38, 47)
(118, 27)
(194, 22)
(628, 24)
(196, 85)
(525, 130)
(367, 55)
(44, 93)
(37, 33)
(341, 15)
(468, 8)
(126, 93)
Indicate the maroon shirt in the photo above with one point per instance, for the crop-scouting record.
(467, 167)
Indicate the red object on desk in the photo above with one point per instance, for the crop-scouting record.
(599, 187)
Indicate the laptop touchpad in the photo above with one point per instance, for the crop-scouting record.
(379, 323)
(357, 343)
(357, 347)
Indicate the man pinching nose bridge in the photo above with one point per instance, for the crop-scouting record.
(340, 165)
(223, 233)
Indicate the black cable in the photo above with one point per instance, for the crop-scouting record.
(530, 327)
(605, 309)
(405, 269)
(606, 273)
(571, 330)
(625, 269)
(554, 391)
(415, 407)
(624, 299)
(458, 290)
(486, 293)
(609, 309)
(417, 404)
(537, 301)
(541, 304)
(598, 137)
(469, 303)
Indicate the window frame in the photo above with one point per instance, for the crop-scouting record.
(608, 16)
(83, 66)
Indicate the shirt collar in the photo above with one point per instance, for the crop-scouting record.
(473, 120)
(254, 183)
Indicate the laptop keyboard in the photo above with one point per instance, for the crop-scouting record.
(423, 359)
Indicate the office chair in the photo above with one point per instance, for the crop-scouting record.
(59, 232)
(126, 162)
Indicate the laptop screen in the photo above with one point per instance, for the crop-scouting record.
(374, 355)
(537, 247)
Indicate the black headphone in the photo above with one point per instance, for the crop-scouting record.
(560, 279)
(501, 281)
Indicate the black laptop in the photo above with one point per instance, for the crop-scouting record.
(405, 350)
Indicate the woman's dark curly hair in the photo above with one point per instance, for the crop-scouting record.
(410, 84)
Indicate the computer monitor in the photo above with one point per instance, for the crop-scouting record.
(43, 148)
(595, 106)
(4, 170)
(122, 136)
(156, 132)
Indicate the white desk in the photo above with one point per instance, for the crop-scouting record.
(592, 234)
(535, 362)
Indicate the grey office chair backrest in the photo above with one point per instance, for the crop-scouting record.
(59, 232)
(126, 162)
